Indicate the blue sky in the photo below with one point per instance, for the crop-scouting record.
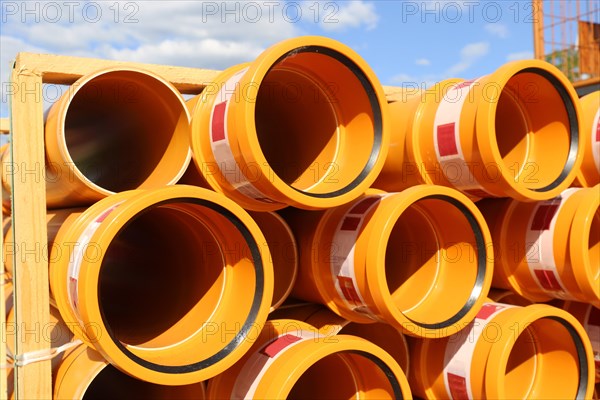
(405, 42)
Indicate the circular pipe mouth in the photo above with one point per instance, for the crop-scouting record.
(320, 129)
(124, 129)
(345, 374)
(110, 383)
(594, 245)
(166, 279)
(435, 254)
(529, 130)
(547, 360)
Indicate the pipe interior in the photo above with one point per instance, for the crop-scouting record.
(169, 276)
(110, 383)
(125, 130)
(543, 363)
(314, 122)
(431, 260)
(343, 375)
(532, 130)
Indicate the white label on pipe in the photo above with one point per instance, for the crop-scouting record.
(77, 257)
(342, 255)
(539, 246)
(257, 365)
(592, 328)
(460, 348)
(446, 139)
(596, 140)
(221, 147)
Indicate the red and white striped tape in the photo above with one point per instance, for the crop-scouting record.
(446, 138)
(221, 146)
(257, 365)
(595, 137)
(342, 254)
(539, 246)
(459, 353)
(592, 328)
(76, 258)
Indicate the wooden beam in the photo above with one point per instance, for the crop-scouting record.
(538, 29)
(30, 278)
(66, 70)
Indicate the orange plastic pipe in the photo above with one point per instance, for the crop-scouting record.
(328, 323)
(419, 260)
(508, 297)
(548, 249)
(305, 124)
(589, 317)
(84, 374)
(589, 174)
(513, 133)
(507, 352)
(114, 130)
(290, 359)
(166, 284)
(284, 253)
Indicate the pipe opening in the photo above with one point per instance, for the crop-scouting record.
(533, 136)
(543, 363)
(594, 245)
(343, 375)
(166, 279)
(111, 383)
(125, 130)
(431, 259)
(315, 122)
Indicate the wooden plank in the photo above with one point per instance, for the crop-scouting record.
(4, 125)
(30, 279)
(3, 327)
(67, 69)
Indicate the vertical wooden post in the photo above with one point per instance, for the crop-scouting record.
(30, 278)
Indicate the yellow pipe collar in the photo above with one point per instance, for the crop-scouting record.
(507, 352)
(166, 284)
(97, 136)
(290, 359)
(305, 124)
(513, 133)
(85, 374)
(419, 260)
(589, 174)
(548, 249)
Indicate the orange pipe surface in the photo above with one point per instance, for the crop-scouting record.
(85, 374)
(513, 133)
(284, 253)
(419, 260)
(589, 174)
(507, 352)
(305, 124)
(165, 283)
(290, 359)
(113, 130)
(548, 249)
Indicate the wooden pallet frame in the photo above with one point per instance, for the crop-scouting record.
(26, 124)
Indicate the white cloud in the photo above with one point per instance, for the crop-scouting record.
(497, 29)
(205, 34)
(349, 14)
(521, 55)
(469, 54)
(424, 62)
